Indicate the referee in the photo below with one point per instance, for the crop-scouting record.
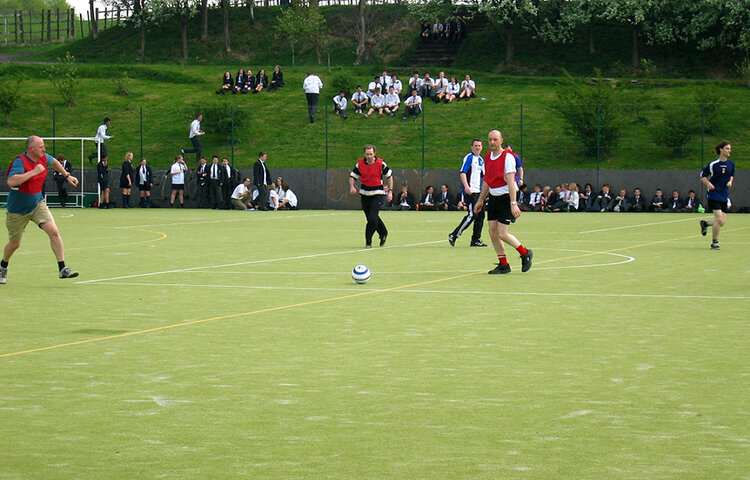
(370, 171)
(472, 172)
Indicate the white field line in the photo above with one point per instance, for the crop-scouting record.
(280, 217)
(450, 292)
(640, 225)
(252, 262)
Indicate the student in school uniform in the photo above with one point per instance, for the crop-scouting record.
(359, 100)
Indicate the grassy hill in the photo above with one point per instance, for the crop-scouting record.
(166, 98)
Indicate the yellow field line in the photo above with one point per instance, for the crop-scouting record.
(316, 302)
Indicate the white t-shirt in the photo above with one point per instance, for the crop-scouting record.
(392, 99)
(179, 178)
(239, 191)
(510, 166)
(312, 84)
(273, 199)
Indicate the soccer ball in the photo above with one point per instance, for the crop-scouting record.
(361, 274)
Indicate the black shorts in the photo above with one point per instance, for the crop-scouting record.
(178, 186)
(498, 209)
(145, 187)
(104, 185)
(718, 205)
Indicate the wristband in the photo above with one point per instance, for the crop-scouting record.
(514, 203)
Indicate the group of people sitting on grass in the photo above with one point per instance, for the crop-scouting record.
(568, 198)
(385, 94)
(246, 82)
(450, 31)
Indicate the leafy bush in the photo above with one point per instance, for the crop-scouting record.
(218, 119)
(677, 128)
(710, 102)
(342, 81)
(122, 84)
(743, 69)
(590, 111)
(64, 76)
(10, 96)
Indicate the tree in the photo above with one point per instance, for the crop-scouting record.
(94, 20)
(719, 24)
(590, 112)
(225, 24)
(633, 13)
(571, 15)
(504, 16)
(429, 10)
(204, 20)
(10, 95)
(140, 18)
(182, 9)
(64, 76)
(303, 24)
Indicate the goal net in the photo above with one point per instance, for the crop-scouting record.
(11, 147)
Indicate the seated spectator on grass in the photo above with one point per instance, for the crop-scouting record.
(428, 199)
(242, 196)
(405, 200)
(273, 199)
(621, 202)
(427, 90)
(392, 101)
(572, 198)
(691, 203)
(359, 100)
(536, 199)
(637, 202)
(339, 104)
(373, 86)
(587, 199)
(674, 204)
(415, 82)
(413, 105)
(545, 196)
(468, 88)
(261, 81)
(444, 199)
(440, 85)
(288, 199)
(397, 85)
(658, 201)
(377, 102)
(239, 82)
(605, 200)
(277, 79)
(555, 200)
(227, 83)
(451, 91)
(249, 82)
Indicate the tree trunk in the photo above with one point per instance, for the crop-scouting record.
(225, 15)
(184, 19)
(635, 57)
(204, 19)
(592, 50)
(292, 45)
(143, 38)
(361, 50)
(508, 45)
(94, 21)
(252, 11)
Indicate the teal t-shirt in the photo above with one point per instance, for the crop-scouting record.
(19, 202)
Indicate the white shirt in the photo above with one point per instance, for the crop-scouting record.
(572, 199)
(371, 88)
(536, 198)
(474, 165)
(397, 87)
(195, 128)
(392, 99)
(378, 100)
(510, 166)
(386, 82)
(290, 197)
(178, 178)
(415, 82)
(239, 191)
(468, 83)
(101, 134)
(440, 83)
(273, 199)
(412, 101)
(340, 101)
(312, 84)
(359, 97)
(143, 172)
(452, 88)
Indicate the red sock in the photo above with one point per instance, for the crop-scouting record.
(522, 250)
(502, 259)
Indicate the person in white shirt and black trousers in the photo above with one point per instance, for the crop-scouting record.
(195, 132)
(312, 85)
(99, 139)
(261, 180)
(339, 104)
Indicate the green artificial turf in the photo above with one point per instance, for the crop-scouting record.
(214, 344)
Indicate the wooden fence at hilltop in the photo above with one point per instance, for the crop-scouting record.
(27, 28)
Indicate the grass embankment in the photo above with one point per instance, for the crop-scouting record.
(277, 121)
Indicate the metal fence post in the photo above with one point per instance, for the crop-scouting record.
(423, 134)
(54, 128)
(598, 139)
(703, 135)
(326, 136)
(141, 112)
(232, 136)
(522, 130)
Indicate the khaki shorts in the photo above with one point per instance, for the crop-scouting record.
(16, 222)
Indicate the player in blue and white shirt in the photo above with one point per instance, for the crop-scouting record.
(472, 174)
(718, 177)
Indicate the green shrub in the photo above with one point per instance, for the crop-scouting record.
(677, 128)
(10, 97)
(64, 76)
(710, 101)
(342, 81)
(122, 84)
(219, 119)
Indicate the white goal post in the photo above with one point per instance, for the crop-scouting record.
(81, 189)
